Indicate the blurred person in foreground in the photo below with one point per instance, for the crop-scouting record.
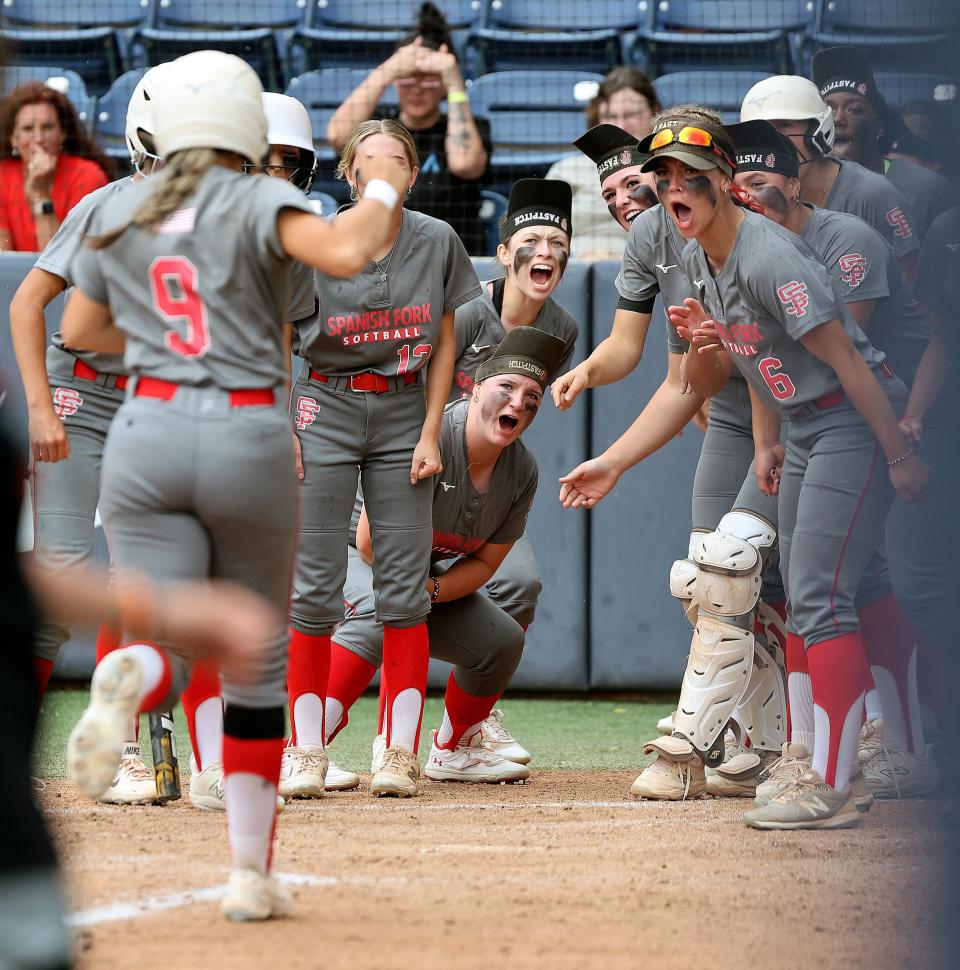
(627, 99)
(454, 147)
(48, 163)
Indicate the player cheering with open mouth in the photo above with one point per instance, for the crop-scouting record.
(479, 512)
(365, 401)
(774, 310)
(193, 269)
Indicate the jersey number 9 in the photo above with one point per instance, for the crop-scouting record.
(173, 283)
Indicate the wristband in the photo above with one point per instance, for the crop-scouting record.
(436, 589)
(383, 192)
(903, 457)
(458, 97)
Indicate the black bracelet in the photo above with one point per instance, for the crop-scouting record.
(436, 589)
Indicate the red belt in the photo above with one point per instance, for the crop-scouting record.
(165, 391)
(368, 382)
(85, 371)
(838, 396)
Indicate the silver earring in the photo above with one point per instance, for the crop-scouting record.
(15, 153)
(354, 194)
(409, 192)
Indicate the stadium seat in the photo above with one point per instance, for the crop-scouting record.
(322, 92)
(721, 90)
(111, 114)
(345, 33)
(898, 89)
(901, 35)
(492, 209)
(65, 81)
(85, 36)
(723, 34)
(247, 28)
(534, 115)
(566, 33)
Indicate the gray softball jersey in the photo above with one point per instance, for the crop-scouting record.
(479, 330)
(386, 319)
(875, 200)
(864, 267)
(769, 294)
(58, 256)
(937, 281)
(198, 309)
(925, 191)
(464, 519)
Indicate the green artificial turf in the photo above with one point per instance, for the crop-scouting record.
(561, 733)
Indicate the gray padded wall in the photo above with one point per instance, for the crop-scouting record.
(638, 635)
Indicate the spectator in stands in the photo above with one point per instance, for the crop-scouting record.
(626, 98)
(454, 148)
(48, 163)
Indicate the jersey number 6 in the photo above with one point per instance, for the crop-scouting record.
(778, 381)
(173, 283)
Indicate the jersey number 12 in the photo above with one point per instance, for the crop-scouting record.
(173, 283)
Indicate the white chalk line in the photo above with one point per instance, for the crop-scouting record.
(132, 909)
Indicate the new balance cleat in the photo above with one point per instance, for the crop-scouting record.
(303, 772)
(398, 775)
(806, 803)
(206, 787)
(792, 763)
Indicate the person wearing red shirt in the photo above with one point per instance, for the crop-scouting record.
(47, 165)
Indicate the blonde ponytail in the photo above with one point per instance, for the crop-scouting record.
(178, 180)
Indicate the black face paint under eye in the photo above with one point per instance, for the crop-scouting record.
(562, 259)
(523, 256)
(663, 184)
(772, 199)
(701, 185)
(531, 407)
(644, 195)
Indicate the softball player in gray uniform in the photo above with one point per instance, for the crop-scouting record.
(72, 397)
(794, 107)
(866, 275)
(725, 495)
(198, 476)
(479, 512)
(777, 315)
(366, 399)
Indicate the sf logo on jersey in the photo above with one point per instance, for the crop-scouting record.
(66, 401)
(854, 268)
(307, 411)
(901, 224)
(793, 296)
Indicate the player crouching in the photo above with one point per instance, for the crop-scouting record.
(480, 506)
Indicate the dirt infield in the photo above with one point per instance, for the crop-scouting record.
(564, 872)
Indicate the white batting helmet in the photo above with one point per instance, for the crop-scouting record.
(788, 97)
(211, 100)
(288, 123)
(139, 129)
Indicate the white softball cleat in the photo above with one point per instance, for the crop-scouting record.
(794, 760)
(496, 737)
(891, 772)
(675, 774)
(398, 775)
(206, 787)
(135, 783)
(339, 780)
(473, 763)
(377, 751)
(303, 772)
(96, 743)
(665, 725)
(253, 896)
(806, 803)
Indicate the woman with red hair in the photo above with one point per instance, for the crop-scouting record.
(48, 163)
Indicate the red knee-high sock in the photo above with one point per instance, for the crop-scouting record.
(462, 711)
(307, 674)
(204, 686)
(406, 657)
(837, 674)
(799, 694)
(41, 676)
(350, 676)
(382, 706)
(251, 773)
(890, 644)
(108, 640)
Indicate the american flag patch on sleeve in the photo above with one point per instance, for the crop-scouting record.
(179, 222)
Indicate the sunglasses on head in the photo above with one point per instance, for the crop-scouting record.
(696, 137)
